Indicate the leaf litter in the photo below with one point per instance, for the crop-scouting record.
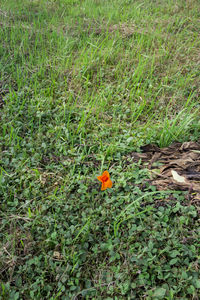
(176, 167)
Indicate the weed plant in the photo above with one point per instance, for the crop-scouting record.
(82, 85)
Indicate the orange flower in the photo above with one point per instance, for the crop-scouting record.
(105, 179)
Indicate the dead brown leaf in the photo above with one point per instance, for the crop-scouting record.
(181, 159)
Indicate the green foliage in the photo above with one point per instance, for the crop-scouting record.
(82, 84)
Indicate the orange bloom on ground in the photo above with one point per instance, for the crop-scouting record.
(105, 179)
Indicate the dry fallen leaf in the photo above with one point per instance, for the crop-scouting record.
(177, 177)
(176, 167)
(57, 255)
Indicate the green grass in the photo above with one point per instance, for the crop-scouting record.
(82, 85)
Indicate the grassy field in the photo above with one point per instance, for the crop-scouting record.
(82, 85)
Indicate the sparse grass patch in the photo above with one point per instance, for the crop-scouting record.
(82, 85)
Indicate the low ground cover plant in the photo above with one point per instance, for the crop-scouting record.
(83, 84)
